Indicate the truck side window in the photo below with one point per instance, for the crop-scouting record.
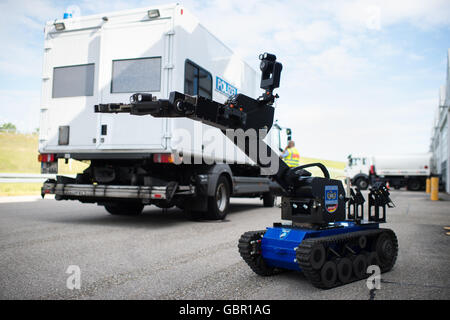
(136, 75)
(73, 81)
(197, 81)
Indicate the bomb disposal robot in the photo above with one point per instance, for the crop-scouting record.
(329, 246)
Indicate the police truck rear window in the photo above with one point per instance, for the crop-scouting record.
(136, 75)
(73, 81)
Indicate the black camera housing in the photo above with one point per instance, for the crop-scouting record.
(309, 204)
(271, 71)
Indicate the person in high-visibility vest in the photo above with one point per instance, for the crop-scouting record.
(290, 155)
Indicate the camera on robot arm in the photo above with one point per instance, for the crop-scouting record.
(270, 77)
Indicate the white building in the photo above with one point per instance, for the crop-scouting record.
(440, 136)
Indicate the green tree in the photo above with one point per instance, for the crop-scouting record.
(8, 127)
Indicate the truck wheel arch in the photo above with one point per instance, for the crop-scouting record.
(213, 175)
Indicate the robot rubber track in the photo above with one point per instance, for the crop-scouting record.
(328, 262)
(381, 249)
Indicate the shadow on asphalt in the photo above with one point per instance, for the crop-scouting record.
(151, 217)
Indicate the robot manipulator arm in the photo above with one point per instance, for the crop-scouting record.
(238, 112)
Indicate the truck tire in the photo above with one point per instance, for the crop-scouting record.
(124, 208)
(414, 185)
(268, 200)
(362, 183)
(219, 204)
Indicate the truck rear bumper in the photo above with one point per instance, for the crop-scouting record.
(91, 191)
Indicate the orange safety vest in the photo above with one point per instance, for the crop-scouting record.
(293, 158)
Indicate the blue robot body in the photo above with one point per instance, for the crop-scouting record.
(279, 244)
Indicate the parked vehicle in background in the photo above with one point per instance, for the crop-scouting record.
(106, 58)
(399, 171)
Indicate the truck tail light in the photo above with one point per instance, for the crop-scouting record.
(163, 158)
(372, 169)
(47, 157)
(425, 167)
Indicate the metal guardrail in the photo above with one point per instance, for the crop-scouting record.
(26, 177)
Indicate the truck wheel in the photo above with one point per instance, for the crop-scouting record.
(362, 183)
(268, 200)
(414, 185)
(218, 204)
(124, 209)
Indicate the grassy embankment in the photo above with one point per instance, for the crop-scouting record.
(336, 168)
(18, 154)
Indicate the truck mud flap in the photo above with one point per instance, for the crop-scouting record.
(116, 191)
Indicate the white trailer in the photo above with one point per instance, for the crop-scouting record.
(399, 170)
(105, 58)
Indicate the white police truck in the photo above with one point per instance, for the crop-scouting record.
(106, 58)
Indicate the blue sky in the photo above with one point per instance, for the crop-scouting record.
(358, 77)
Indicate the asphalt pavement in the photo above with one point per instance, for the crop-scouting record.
(163, 255)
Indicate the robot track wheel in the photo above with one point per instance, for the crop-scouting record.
(250, 250)
(380, 248)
